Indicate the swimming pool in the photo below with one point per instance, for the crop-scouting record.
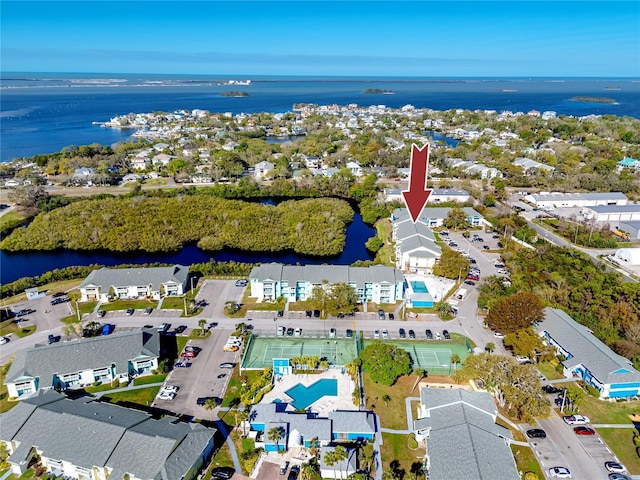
(419, 287)
(304, 396)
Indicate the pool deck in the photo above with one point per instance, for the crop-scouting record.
(437, 286)
(323, 405)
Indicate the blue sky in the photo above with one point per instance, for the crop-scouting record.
(425, 38)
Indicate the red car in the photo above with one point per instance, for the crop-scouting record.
(190, 354)
(584, 431)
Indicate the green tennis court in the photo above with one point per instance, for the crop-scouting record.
(431, 356)
(261, 351)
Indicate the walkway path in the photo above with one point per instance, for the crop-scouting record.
(131, 386)
(232, 448)
(377, 443)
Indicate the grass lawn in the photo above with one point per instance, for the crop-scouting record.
(221, 458)
(5, 404)
(621, 442)
(142, 396)
(395, 418)
(196, 334)
(395, 450)
(103, 388)
(172, 303)
(386, 254)
(49, 288)
(526, 460)
(600, 411)
(148, 379)
(124, 304)
(8, 327)
(549, 371)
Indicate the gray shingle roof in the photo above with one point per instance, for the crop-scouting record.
(415, 243)
(353, 421)
(586, 349)
(88, 433)
(349, 465)
(615, 208)
(465, 420)
(88, 353)
(430, 213)
(409, 229)
(315, 274)
(308, 428)
(105, 278)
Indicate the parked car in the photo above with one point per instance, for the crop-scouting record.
(180, 328)
(308, 313)
(385, 333)
(164, 327)
(619, 476)
(536, 433)
(486, 247)
(298, 332)
(560, 472)
(576, 420)
(498, 335)
(100, 313)
(241, 283)
(230, 348)
(522, 359)
(280, 313)
(429, 334)
(4, 340)
(129, 311)
(107, 329)
(182, 365)
(58, 294)
(551, 389)
(615, 467)
(332, 333)
(23, 312)
(349, 333)
(166, 395)
(437, 335)
(381, 314)
(283, 469)
(446, 335)
(170, 388)
(281, 331)
(293, 473)
(227, 365)
(290, 332)
(469, 282)
(316, 314)
(402, 333)
(188, 354)
(412, 334)
(222, 472)
(584, 431)
(148, 310)
(376, 334)
(203, 400)
(392, 316)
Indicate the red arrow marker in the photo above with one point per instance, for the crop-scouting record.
(417, 195)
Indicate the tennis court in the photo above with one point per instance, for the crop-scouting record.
(261, 351)
(435, 357)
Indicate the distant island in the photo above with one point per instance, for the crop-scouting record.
(234, 94)
(378, 91)
(609, 101)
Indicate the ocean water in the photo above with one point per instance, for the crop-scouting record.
(44, 113)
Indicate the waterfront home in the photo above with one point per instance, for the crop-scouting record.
(342, 469)
(466, 420)
(434, 217)
(378, 283)
(80, 363)
(262, 169)
(154, 282)
(415, 247)
(354, 168)
(86, 439)
(587, 358)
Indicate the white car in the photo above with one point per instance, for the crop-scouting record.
(498, 335)
(169, 389)
(281, 331)
(166, 396)
(3, 340)
(332, 333)
(560, 472)
(385, 333)
(376, 334)
(298, 332)
(521, 359)
(615, 467)
(437, 335)
(576, 420)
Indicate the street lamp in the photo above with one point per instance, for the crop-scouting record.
(275, 319)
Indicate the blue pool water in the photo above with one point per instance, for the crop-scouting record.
(304, 396)
(419, 287)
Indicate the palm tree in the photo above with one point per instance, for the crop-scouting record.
(242, 416)
(314, 446)
(340, 454)
(490, 347)
(386, 399)
(201, 323)
(455, 359)
(330, 460)
(210, 404)
(274, 435)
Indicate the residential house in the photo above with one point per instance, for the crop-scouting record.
(263, 169)
(86, 439)
(628, 162)
(466, 420)
(528, 165)
(354, 168)
(415, 246)
(140, 162)
(155, 282)
(80, 363)
(378, 283)
(342, 469)
(162, 158)
(438, 195)
(587, 358)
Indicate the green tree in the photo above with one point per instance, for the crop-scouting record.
(529, 344)
(455, 359)
(210, 405)
(490, 347)
(340, 454)
(201, 323)
(330, 460)
(456, 218)
(385, 362)
(28, 196)
(451, 264)
(515, 312)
